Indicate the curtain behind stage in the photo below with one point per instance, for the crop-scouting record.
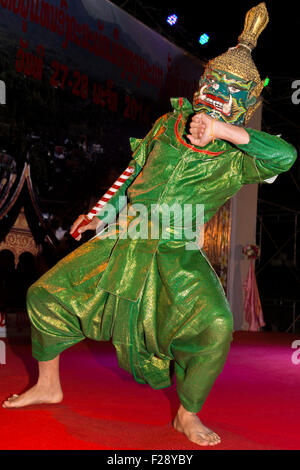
(217, 242)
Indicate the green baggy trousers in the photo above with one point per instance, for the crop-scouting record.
(66, 305)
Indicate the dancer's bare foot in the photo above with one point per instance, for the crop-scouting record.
(37, 395)
(189, 424)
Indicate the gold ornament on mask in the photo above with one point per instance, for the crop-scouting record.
(238, 60)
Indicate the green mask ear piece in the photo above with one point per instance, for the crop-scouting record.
(252, 102)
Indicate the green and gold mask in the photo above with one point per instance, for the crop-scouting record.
(224, 96)
(231, 85)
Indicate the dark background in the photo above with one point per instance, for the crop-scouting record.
(277, 54)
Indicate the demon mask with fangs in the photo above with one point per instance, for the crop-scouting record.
(231, 85)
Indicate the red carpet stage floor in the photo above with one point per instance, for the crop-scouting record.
(254, 404)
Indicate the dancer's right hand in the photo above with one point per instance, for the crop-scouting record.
(93, 225)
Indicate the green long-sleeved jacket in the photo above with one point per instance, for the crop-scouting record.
(168, 169)
(164, 297)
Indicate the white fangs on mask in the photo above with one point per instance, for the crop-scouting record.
(225, 108)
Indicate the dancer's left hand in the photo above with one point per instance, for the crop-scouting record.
(203, 129)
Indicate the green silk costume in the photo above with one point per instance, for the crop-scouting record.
(157, 301)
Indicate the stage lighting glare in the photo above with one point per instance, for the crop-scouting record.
(204, 38)
(172, 19)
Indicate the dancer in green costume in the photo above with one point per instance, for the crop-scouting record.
(157, 299)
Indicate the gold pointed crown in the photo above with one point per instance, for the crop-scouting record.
(237, 60)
